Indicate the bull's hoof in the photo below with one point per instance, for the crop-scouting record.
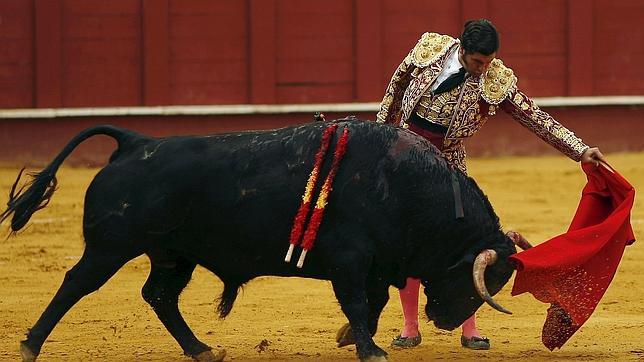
(26, 353)
(375, 359)
(344, 337)
(208, 356)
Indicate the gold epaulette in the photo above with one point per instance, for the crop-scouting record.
(497, 83)
(430, 46)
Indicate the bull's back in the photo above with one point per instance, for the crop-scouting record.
(248, 183)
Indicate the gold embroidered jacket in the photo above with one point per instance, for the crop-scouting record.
(476, 100)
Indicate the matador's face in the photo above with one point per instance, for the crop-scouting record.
(475, 63)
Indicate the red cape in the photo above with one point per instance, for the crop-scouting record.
(573, 270)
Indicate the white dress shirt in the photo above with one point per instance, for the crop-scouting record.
(451, 66)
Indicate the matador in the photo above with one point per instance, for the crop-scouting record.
(410, 99)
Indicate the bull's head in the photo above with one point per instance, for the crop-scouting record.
(454, 297)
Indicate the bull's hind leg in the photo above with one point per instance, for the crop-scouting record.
(92, 271)
(168, 277)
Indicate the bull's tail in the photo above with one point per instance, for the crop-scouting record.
(24, 203)
(228, 296)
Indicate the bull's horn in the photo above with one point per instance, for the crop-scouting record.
(485, 258)
(519, 240)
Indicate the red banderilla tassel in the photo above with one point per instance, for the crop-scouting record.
(303, 212)
(318, 212)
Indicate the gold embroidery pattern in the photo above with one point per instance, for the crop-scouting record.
(455, 154)
(421, 84)
(497, 83)
(391, 102)
(467, 119)
(429, 48)
(439, 109)
(526, 112)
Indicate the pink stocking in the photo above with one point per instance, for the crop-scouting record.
(409, 302)
(469, 327)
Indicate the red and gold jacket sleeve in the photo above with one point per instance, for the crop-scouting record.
(498, 88)
(526, 112)
(391, 104)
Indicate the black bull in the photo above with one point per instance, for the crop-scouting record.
(227, 202)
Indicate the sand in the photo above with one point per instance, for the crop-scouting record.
(296, 319)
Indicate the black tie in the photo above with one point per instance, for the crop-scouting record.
(451, 82)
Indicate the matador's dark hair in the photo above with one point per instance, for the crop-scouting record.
(479, 36)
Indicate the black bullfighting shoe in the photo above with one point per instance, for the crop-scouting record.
(406, 342)
(476, 343)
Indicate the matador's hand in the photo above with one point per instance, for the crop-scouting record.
(592, 155)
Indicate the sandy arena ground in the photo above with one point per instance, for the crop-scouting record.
(296, 319)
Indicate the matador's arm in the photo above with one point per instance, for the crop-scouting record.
(526, 112)
(392, 101)
(498, 89)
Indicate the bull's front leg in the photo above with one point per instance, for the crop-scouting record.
(377, 297)
(349, 285)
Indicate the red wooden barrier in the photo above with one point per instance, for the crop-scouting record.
(75, 53)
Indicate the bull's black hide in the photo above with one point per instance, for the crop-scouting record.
(227, 202)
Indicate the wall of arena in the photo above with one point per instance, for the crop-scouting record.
(60, 55)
